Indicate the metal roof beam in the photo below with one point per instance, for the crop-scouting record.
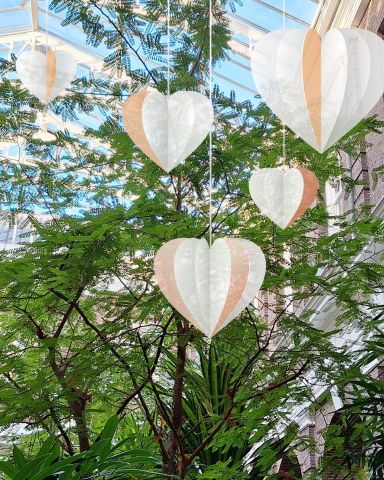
(88, 58)
(35, 15)
(241, 48)
(242, 20)
(281, 12)
(12, 9)
(14, 31)
(236, 84)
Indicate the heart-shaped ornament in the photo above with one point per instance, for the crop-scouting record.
(46, 73)
(320, 87)
(209, 286)
(167, 128)
(283, 195)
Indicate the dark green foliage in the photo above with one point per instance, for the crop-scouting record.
(74, 351)
(102, 461)
(355, 443)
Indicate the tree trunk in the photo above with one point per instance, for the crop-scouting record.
(77, 401)
(176, 463)
(78, 410)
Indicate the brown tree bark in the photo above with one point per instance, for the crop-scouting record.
(176, 462)
(77, 408)
(76, 399)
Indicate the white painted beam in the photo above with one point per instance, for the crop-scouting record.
(35, 15)
(280, 12)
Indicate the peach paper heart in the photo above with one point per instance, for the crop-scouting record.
(283, 195)
(319, 87)
(46, 73)
(209, 286)
(167, 128)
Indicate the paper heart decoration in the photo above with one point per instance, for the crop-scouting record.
(167, 128)
(283, 195)
(320, 88)
(209, 286)
(45, 72)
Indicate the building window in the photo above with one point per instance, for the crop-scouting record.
(381, 29)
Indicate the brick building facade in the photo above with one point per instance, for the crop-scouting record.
(366, 167)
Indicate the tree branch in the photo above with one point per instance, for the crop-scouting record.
(121, 359)
(68, 313)
(118, 30)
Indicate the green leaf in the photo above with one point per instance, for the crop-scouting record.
(18, 457)
(8, 469)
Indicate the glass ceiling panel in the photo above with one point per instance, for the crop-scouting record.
(250, 20)
(12, 3)
(21, 21)
(15, 18)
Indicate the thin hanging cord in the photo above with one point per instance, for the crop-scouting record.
(46, 25)
(168, 45)
(210, 133)
(46, 45)
(284, 128)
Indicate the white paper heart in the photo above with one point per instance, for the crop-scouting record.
(167, 128)
(209, 286)
(320, 88)
(46, 73)
(283, 195)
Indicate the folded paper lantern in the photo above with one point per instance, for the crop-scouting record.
(209, 286)
(46, 73)
(320, 88)
(167, 128)
(283, 195)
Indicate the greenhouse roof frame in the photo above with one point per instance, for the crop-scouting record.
(23, 21)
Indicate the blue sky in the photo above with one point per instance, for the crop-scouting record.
(250, 10)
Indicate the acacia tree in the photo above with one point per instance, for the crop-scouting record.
(354, 442)
(85, 332)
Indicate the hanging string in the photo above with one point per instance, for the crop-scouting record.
(46, 48)
(168, 45)
(284, 128)
(46, 26)
(210, 132)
